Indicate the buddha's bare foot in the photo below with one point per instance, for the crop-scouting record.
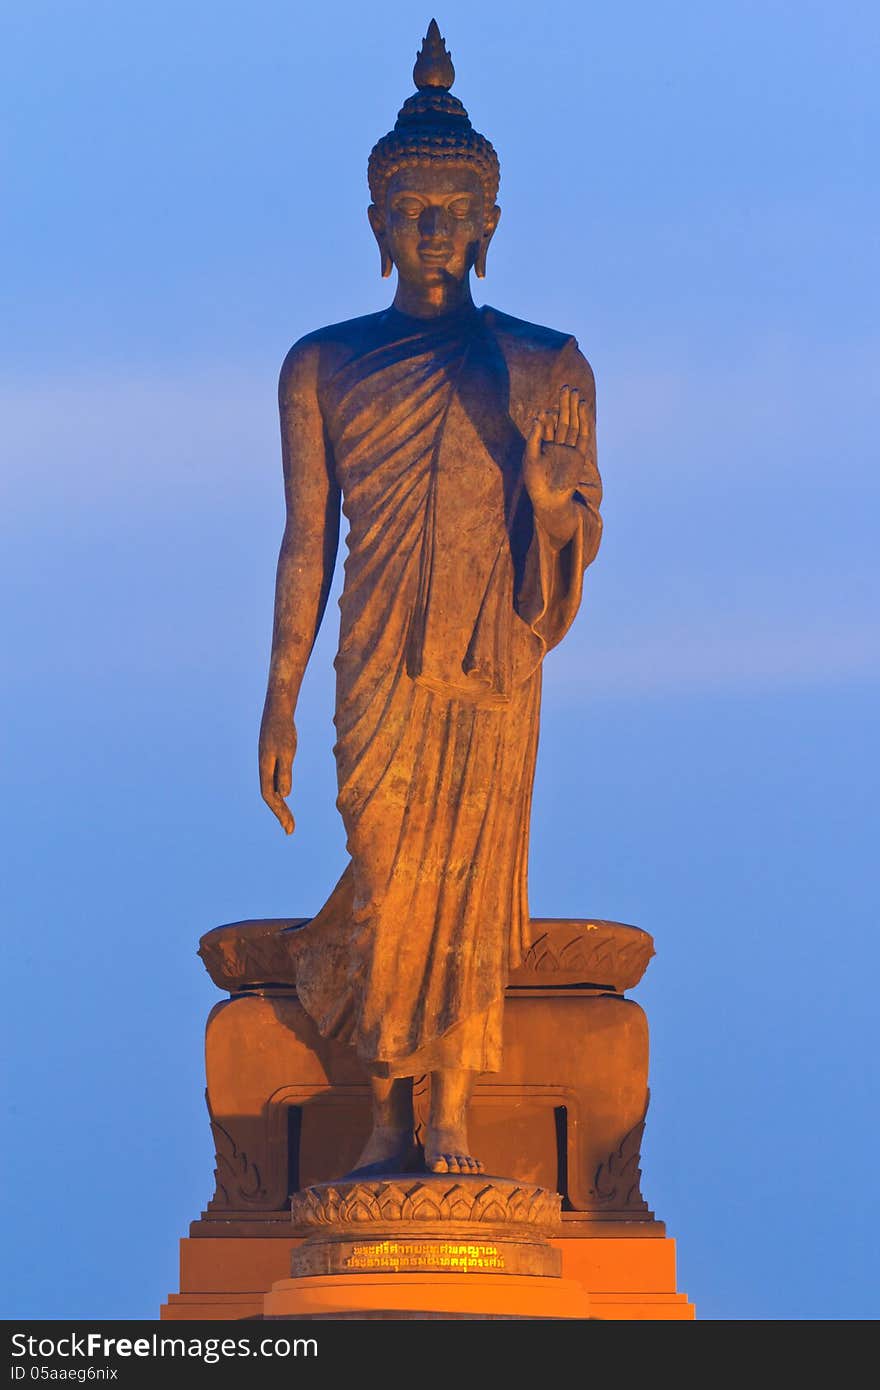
(389, 1149)
(446, 1152)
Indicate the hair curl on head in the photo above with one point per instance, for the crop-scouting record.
(432, 125)
(392, 154)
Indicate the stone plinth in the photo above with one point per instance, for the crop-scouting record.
(396, 1296)
(427, 1245)
(424, 1224)
(627, 1277)
(291, 1110)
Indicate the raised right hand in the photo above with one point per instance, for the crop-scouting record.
(277, 749)
(557, 461)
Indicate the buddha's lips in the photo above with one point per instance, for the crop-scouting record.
(433, 252)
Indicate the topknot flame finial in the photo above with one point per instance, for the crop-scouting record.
(433, 65)
(432, 124)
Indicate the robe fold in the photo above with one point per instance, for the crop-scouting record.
(452, 595)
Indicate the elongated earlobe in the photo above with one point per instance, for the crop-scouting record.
(378, 227)
(483, 248)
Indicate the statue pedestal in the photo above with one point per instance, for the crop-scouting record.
(417, 1296)
(290, 1110)
(426, 1245)
(626, 1277)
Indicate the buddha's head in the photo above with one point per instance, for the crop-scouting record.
(433, 180)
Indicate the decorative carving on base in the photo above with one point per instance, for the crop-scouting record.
(609, 955)
(617, 1185)
(434, 1198)
(430, 1223)
(237, 1179)
(564, 951)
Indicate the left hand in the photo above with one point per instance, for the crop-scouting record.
(558, 460)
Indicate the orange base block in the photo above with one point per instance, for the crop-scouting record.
(623, 1278)
(433, 1295)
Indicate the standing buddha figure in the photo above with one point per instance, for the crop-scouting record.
(460, 444)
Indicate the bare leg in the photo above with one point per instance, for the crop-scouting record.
(446, 1144)
(391, 1148)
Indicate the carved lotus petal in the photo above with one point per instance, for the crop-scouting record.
(420, 1205)
(361, 1205)
(596, 952)
(336, 1204)
(545, 1207)
(328, 1207)
(519, 1205)
(489, 1205)
(391, 1202)
(573, 956)
(308, 1207)
(457, 1204)
(537, 948)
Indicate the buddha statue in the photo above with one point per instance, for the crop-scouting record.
(459, 442)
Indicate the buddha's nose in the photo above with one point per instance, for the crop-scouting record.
(433, 222)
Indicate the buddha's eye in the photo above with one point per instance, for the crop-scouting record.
(408, 207)
(460, 207)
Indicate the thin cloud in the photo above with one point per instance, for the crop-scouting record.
(670, 662)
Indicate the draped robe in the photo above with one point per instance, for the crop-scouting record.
(452, 595)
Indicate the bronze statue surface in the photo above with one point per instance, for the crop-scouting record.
(460, 444)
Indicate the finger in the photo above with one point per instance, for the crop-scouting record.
(563, 421)
(283, 778)
(267, 777)
(533, 440)
(281, 811)
(549, 418)
(573, 418)
(584, 429)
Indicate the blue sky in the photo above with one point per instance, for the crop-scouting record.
(692, 191)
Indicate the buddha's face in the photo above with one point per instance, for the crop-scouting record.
(435, 223)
